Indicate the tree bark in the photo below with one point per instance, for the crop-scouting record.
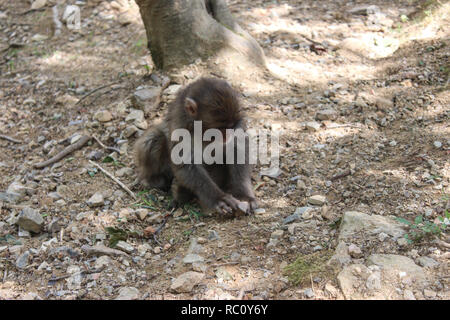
(181, 31)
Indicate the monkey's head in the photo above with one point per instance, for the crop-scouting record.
(215, 103)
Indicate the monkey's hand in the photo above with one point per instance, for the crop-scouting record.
(253, 204)
(227, 204)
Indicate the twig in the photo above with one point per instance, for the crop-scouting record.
(52, 279)
(77, 145)
(341, 175)
(2, 136)
(158, 230)
(95, 90)
(224, 264)
(109, 175)
(105, 147)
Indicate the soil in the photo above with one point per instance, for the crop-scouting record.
(384, 151)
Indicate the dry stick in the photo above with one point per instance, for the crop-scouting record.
(341, 175)
(124, 187)
(224, 264)
(77, 145)
(95, 90)
(78, 273)
(2, 136)
(105, 147)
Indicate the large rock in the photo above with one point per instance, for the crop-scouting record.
(145, 98)
(383, 278)
(370, 46)
(394, 264)
(96, 200)
(30, 220)
(187, 281)
(354, 222)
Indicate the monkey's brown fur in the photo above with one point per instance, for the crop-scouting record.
(216, 104)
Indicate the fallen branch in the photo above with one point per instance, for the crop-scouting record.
(95, 90)
(105, 147)
(109, 175)
(77, 145)
(2, 136)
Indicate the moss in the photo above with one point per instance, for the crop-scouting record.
(307, 266)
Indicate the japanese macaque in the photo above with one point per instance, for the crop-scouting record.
(221, 185)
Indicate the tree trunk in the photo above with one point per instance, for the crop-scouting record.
(181, 31)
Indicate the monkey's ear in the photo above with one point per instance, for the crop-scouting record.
(191, 107)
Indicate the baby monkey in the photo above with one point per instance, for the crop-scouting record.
(220, 185)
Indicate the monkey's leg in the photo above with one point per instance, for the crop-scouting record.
(196, 179)
(239, 182)
(180, 194)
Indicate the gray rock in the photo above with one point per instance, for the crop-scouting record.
(429, 293)
(427, 262)
(301, 212)
(193, 258)
(172, 89)
(326, 114)
(213, 235)
(124, 246)
(130, 131)
(341, 256)
(364, 9)
(373, 282)
(402, 242)
(351, 278)
(199, 267)
(371, 45)
(437, 144)
(136, 116)
(222, 273)
(309, 293)
(30, 220)
(144, 98)
(395, 263)
(317, 200)
(54, 226)
(22, 260)
(23, 233)
(96, 200)
(235, 256)
(408, 295)
(128, 293)
(277, 234)
(103, 116)
(354, 251)
(312, 126)
(354, 222)
(186, 282)
(124, 172)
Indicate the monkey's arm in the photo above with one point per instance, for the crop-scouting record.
(196, 179)
(240, 184)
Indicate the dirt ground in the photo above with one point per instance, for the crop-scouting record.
(384, 150)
